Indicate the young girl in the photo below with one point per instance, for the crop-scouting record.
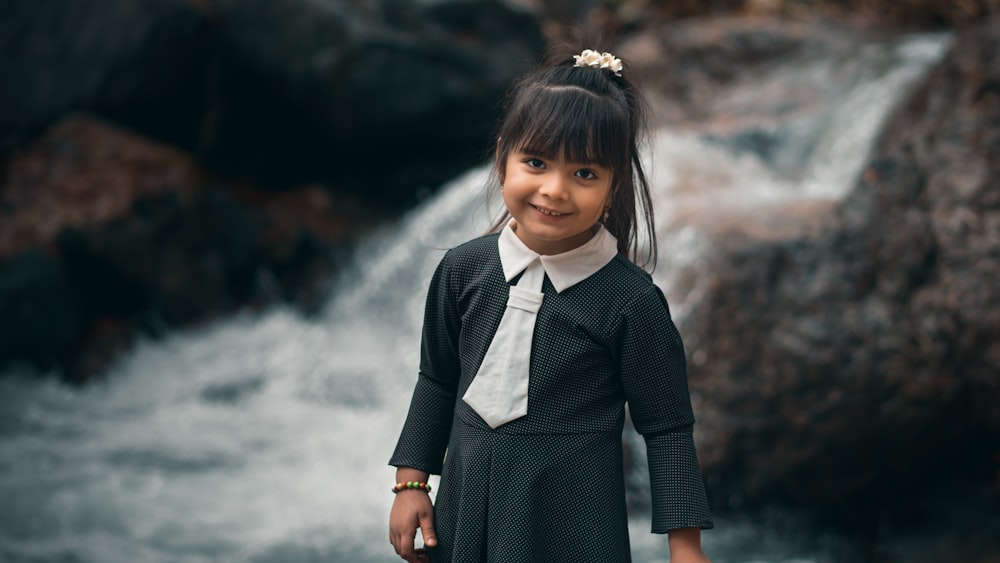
(534, 339)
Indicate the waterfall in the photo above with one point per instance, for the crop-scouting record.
(264, 437)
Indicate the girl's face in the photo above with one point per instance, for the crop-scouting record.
(555, 203)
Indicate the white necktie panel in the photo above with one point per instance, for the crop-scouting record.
(499, 392)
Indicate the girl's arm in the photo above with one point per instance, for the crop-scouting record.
(654, 378)
(685, 546)
(411, 509)
(424, 438)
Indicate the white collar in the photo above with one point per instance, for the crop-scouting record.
(564, 270)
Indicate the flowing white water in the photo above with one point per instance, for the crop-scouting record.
(264, 437)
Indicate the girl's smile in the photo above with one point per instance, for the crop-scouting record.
(548, 212)
(555, 203)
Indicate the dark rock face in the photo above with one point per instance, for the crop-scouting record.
(40, 312)
(343, 111)
(860, 363)
(80, 174)
(378, 96)
(382, 97)
(141, 61)
(916, 14)
(103, 232)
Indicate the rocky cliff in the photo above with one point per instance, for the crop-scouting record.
(165, 163)
(854, 366)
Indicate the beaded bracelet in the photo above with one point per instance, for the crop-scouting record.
(411, 485)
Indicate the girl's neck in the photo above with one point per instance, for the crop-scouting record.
(558, 247)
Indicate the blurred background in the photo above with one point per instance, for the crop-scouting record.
(218, 219)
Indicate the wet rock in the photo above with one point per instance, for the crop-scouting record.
(385, 97)
(172, 259)
(136, 238)
(631, 14)
(345, 112)
(41, 317)
(143, 63)
(83, 173)
(854, 367)
(382, 97)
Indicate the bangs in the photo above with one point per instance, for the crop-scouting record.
(568, 122)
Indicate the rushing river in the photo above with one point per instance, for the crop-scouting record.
(264, 437)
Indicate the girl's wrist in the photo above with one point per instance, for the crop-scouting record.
(405, 474)
(685, 541)
(411, 479)
(411, 486)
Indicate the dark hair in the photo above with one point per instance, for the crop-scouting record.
(584, 115)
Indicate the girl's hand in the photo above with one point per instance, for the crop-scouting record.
(412, 509)
(685, 546)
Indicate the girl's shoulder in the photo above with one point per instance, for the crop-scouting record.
(477, 248)
(473, 256)
(627, 278)
(624, 295)
(620, 289)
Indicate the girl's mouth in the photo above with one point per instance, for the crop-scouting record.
(549, 212)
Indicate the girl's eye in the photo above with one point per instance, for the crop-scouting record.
(586, 174)
(534, 163)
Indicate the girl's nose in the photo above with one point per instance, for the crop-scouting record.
(554, 186)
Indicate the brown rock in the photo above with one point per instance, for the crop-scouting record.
(81, 174)
(857, 366)
(134, 236)
(286, 93)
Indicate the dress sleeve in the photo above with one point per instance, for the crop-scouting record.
(424, 438)
(654, 377)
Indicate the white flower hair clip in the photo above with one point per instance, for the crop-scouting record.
(593, 59)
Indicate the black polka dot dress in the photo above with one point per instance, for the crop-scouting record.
(549, 487)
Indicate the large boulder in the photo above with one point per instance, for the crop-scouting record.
(856, 366)
(40, 312)
(343, 111)
(382, 97)
(911, 14)
(143, 62)
(103, 232)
